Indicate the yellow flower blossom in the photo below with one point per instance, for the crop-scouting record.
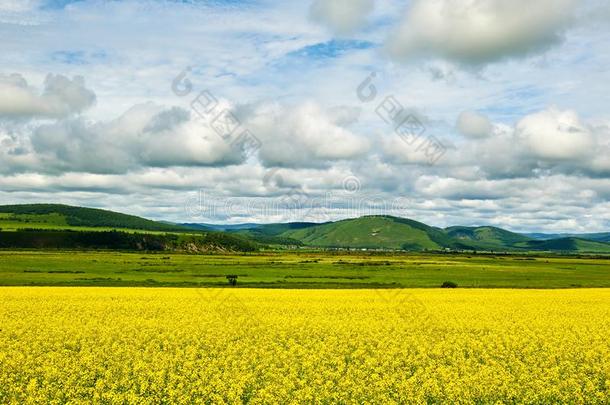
(230, 346)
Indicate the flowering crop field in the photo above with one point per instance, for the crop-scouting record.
(162, 345)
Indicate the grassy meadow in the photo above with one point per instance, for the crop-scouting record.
(300, 270)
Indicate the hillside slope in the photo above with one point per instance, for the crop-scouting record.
(386, 232)
(485, 238)
(372, 232)
(571, 245)
(58, 216)
(55, 226)
(598, 237)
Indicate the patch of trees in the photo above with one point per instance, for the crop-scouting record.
(116, 240)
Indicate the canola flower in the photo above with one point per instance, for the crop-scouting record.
(129, 345)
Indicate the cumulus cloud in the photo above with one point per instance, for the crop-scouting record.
(480, 31)
(145, 135)
(397, 151)
(150, 135)
(547, 142)
(446, 187)
(544, 143)
(60, 97)
(473, 125)
(341, 16)
(305, 135)
(555, 135)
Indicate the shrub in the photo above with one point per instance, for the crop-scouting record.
(232, 279)
(449, 284)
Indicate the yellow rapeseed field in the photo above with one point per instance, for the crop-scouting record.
(128, 345)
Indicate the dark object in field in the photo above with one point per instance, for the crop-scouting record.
(232, 278)
(449, 284)
(65, 272)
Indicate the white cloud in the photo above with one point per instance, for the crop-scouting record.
(305, 135)
(148, 159)
(13, 6)
(556, 135)
(547, 142)
(61, 97)
(480, 31)
(341, 16)
(397, 151)
(473, 125)
(145, 135)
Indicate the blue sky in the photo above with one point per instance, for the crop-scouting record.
(518, 104)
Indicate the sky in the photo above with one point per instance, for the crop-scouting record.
(469, 112)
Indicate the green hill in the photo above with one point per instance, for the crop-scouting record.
(271, 234)
(372, 232)
(57, 216)
(55, 226)
(386, 232)
(277, 229)
(570, 245)
(484, 237)
(598, 237)
(29, 222)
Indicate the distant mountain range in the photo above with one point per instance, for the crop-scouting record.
(599, 237)
(369, 232)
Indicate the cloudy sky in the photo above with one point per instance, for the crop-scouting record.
(449, 112)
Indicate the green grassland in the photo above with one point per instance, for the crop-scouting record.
(300, 270)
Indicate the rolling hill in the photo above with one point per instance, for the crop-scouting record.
(372, 232)
(58, 216)
(568, 245)
(219, 227)
(45, 225)
(387, 232)
(484, 237)
(598, 237)
(56, 226)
